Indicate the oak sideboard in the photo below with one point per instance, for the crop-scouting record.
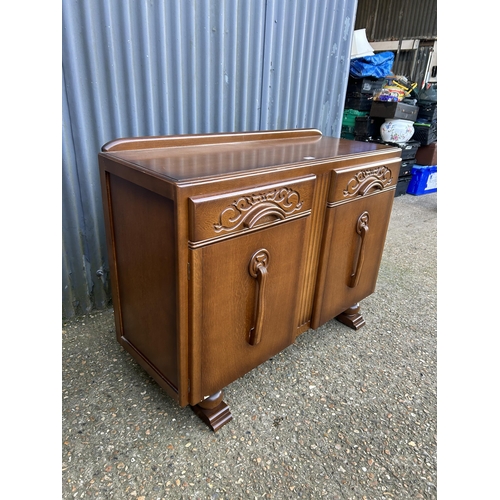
(223, 248)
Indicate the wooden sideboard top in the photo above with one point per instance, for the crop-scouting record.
(187, 158)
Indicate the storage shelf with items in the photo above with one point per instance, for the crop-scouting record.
(358, 102)
(424, 172)
(408, 160)
(388, 108)
(409, 124)
(426, 123)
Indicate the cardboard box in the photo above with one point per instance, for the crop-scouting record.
(427, 155)
(384, 109)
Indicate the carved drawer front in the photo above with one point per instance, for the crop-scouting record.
(356, 182)
(223, 216)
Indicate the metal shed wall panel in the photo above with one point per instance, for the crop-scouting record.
(395, 19)
(306, 64)
(160, 67)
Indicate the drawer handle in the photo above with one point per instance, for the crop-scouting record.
(258, 270)
(361, 229)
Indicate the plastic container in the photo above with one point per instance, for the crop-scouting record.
(423, 180)
(348, 122)
(361, 102)
(409, 150)
(425, 133)
(402, 185)
(365, 126)
(364, 85)
(427, 110)
(406, 167)
(351, 114)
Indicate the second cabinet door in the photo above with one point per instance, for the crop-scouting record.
(354, 240)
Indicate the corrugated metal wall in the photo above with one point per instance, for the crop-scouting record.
(158, 67)
(395, 19)
(413, 63)
(398, 20)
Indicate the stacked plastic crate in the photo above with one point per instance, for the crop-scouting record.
(381, 110)
(358, 101)
(424, 173)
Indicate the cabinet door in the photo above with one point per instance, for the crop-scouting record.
(245, 286)
(356, 224)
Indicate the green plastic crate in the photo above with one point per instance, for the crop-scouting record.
(349, 118)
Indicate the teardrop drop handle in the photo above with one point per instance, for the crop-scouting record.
(361, 230)
(258, 270)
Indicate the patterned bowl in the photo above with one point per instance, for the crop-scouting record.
(396, 130)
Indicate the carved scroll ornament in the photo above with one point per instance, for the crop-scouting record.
(368, 180)
(247, 211)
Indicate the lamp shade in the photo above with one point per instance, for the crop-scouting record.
(360, 46)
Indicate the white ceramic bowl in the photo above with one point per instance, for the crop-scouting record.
(397, 130)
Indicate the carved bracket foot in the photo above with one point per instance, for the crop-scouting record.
(213, 411)
(352, 318)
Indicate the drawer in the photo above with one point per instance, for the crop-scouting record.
(226, 215)
(350, 183)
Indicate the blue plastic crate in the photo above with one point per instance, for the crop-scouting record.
(423, 180)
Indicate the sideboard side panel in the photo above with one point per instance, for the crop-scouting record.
(145, 255)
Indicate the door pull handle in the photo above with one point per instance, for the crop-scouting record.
(258, 270)
(359, 257)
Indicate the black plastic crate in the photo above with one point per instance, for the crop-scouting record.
(366, 126)
(364, 85)
(362, 138)
(408, 149)
(427, 110)
(348, 130)
(406, 167)
(425, 133)
(402, 185)
(347, 135)
(361, 102)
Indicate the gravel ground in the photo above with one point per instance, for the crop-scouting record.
(338, 415)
